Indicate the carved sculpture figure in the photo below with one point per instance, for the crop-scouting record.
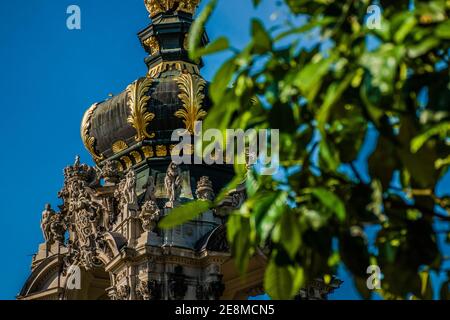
(150, 189)
(52, 225)
(47, 214)
(77, 161)
(149, 215)
(205, 189)
(130, 188)
(126, 190)
(172, 183)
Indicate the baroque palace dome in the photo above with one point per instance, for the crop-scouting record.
(137, 124)
(104, 241)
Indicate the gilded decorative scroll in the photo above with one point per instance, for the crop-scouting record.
(191, 87)
(161, 151)
(155, 7)
(89, 141)
(137, 103)
(148, 152)
(127, 161)
(137, 156)
(153, 45)
(156, 71)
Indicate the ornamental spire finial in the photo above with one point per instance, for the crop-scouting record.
(155, 7)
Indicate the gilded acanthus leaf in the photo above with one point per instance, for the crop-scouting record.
(88, 141)
(137, 103)
(191, 87)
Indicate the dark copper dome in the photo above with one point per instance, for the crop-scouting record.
(138, 123)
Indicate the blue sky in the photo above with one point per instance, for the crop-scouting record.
(49, 77)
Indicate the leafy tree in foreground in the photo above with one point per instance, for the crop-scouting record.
(391, 84)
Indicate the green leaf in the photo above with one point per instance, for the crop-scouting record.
(421, 165)
(251, 183)
(330, 201)
(198, 29)
(329, 155)
(267, 210)
(222, 80)
(441, 163)
(334, 93)
(287, 232)
(383, 162)
(262, 42)
(443, 30)
(311, 75)
(185, 213)
(283, 282)
(426, 288)
(382, 65)
(423, 47)
(220, 44)
(323, 21)
(221, 118)
(239, 235)
(408, 24)
(441, 129)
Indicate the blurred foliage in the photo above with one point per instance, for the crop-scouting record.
(325, 100)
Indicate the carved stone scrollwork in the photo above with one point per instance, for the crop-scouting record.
(110, 172)
(120, 292)
(83, 214)
(148, 290)
(177, 284)
(172, 183)
(112, 294)
(238, 199)
(123, 292)
(205, 189)
(149, 215)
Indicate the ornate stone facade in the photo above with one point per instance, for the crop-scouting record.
(107, 227)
